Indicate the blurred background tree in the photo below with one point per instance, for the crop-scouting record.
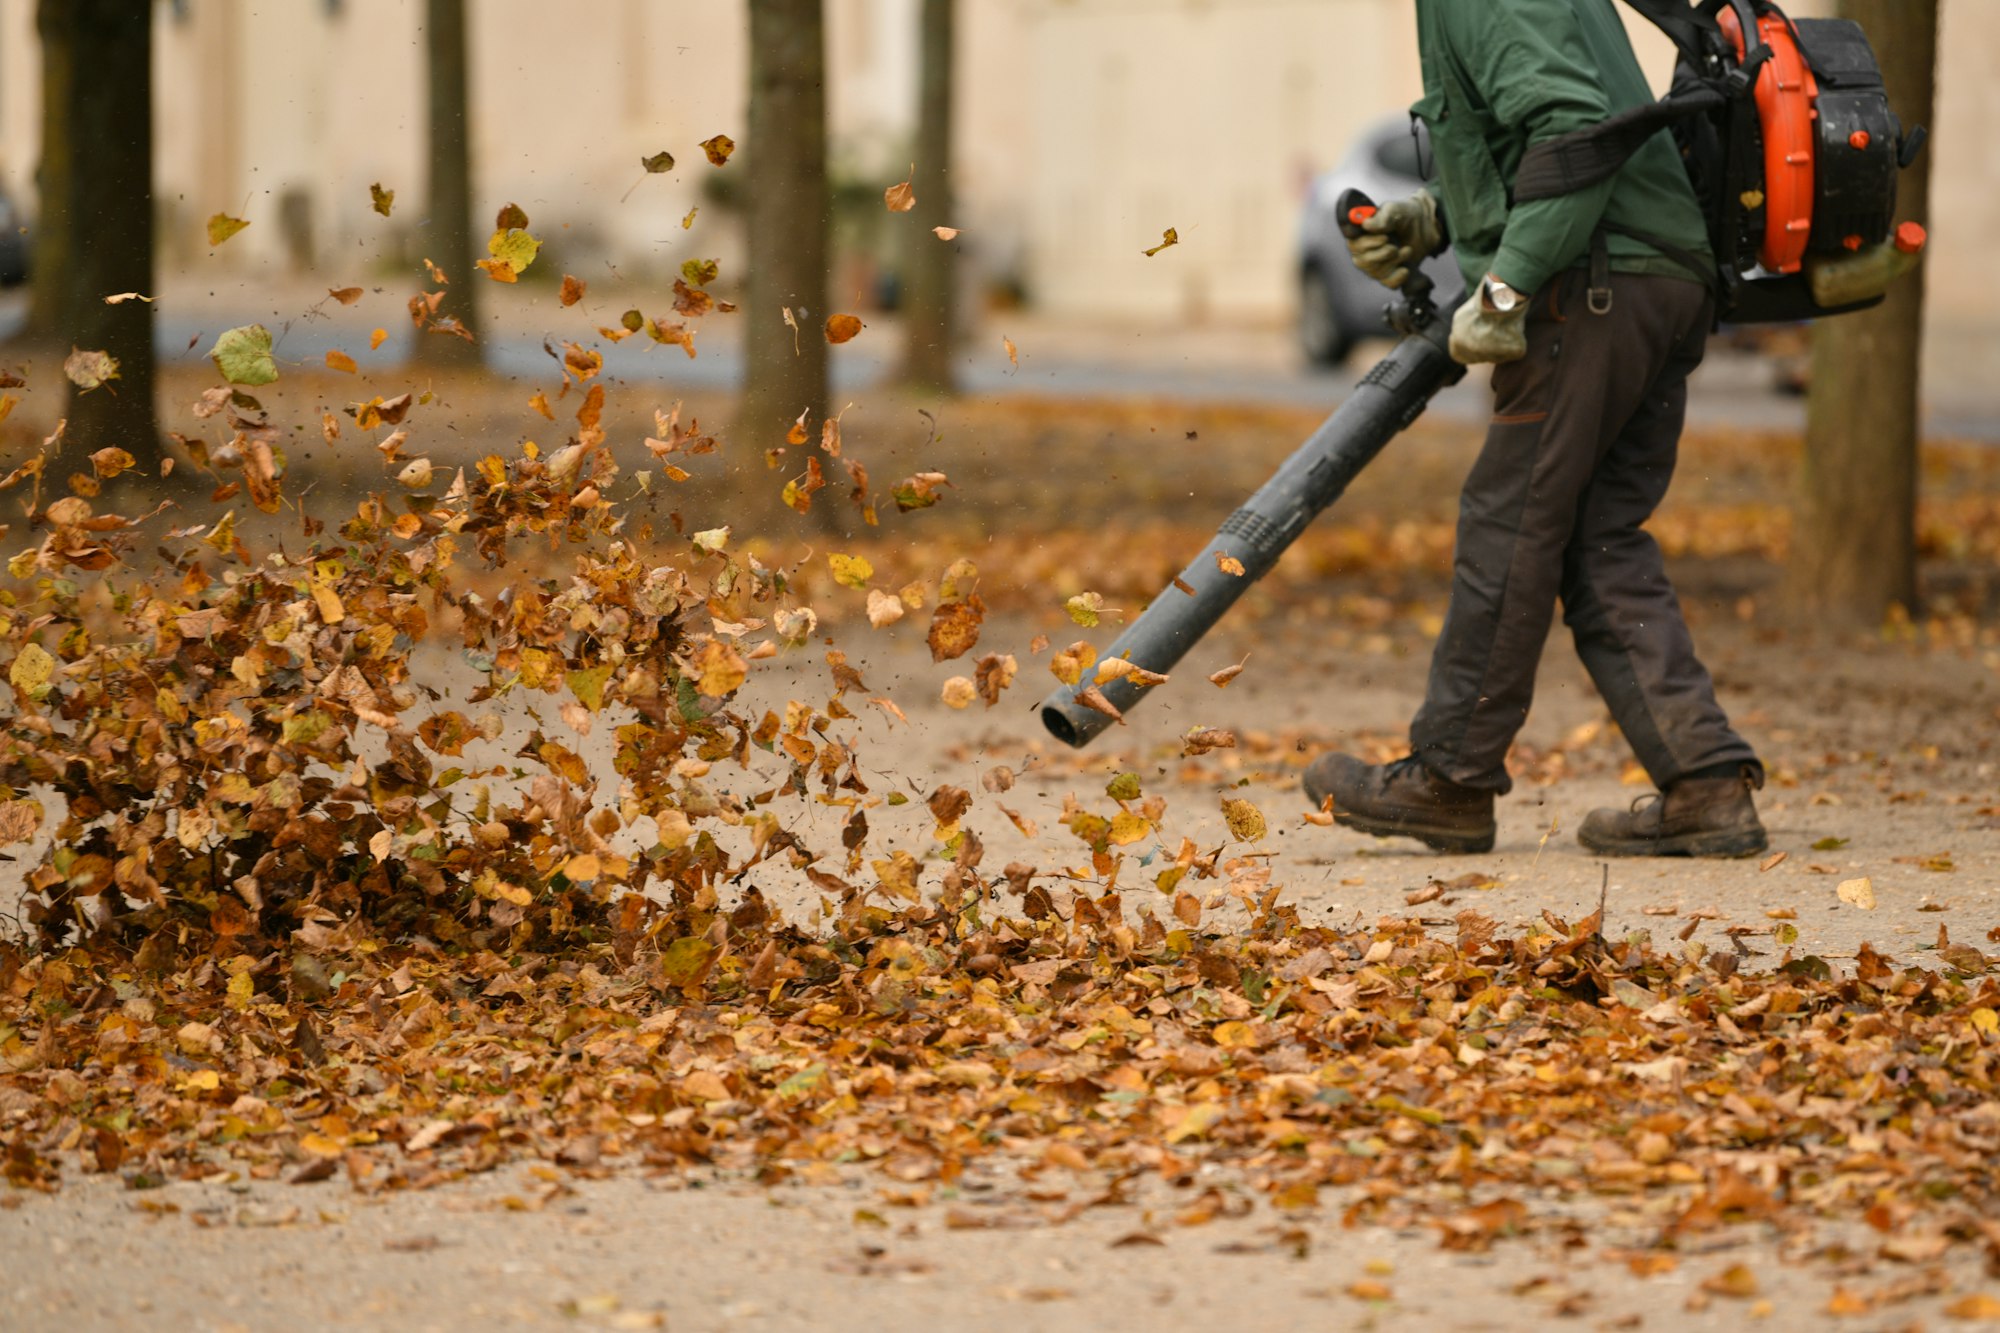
(1855, 549)
(785, 365)
(109, 212)
(931, 311)
(449, 237)
(49, 277)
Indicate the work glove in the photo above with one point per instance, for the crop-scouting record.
(1400, 234)
(1480, 336)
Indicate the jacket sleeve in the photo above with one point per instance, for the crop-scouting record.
(1528, 61)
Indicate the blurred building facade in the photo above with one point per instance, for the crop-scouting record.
(1085, 128)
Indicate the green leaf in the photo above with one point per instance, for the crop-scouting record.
(657, 163)
(1829, 844)
(701, 272)
(1124, 787)
(243, 355)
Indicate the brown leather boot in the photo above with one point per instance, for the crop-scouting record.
(1403, 799)
(1694, 817)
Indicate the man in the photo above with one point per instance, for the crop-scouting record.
(1593, 333)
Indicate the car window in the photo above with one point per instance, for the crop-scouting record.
(1398, 152)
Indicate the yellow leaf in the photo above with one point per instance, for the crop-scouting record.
(582, 869)
(718, 148)
(1196, 1121)
(319, 1145)
(31, 670)
(328, 601)
(1246, 821)
(1987, 1021)
(341, 361)
(242, 990)
(1858, 892)
(959, 691)
(851, 571)
(382, 200)
(1167, 238)
(221, 227)
(514, 248)
(377, 338)
(720, 669)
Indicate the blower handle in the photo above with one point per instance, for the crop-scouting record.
(1417, 309)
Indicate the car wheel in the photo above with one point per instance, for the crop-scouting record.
(1321, 337)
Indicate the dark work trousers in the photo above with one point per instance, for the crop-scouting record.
(1582, 445)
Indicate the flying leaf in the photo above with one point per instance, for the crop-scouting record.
(718, 148)
(945, 233)
(511, 217)
(383, 200)
(109, 462)
(700, 272)
(344, 295)
(884, 608)
(90, 370)
(657, 163)
(959, 692)
(841, 328)
(243, 355)
(1086, 608)
(513, 250)
(341, 361)
(1167, 238)
(851, 571)
(572, 290)
(1222, 678)
(900, 198)
(687, 223)
(1013, 354)
(955, 628)
(377, 338)
(1246, 821)
(120, 298)
(221, 227)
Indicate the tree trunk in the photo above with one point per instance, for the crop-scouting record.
(49, 277)
(1855, 554)
(449, 236)
(931, 306)
(785, 370)
(111, 225)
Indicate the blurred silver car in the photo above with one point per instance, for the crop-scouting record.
(1338, 305)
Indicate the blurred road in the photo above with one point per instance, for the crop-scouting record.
(1261, 365)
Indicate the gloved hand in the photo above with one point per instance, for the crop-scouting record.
(1400, 234)
(1481, 336)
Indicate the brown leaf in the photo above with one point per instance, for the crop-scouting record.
(900, 198)
(841, 328)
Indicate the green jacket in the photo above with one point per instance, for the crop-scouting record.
(1500, 75)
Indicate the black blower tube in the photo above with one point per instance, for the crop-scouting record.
(1385, 402)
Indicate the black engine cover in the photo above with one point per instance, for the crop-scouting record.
(1860, 139)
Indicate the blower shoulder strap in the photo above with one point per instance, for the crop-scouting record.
(1586, 157)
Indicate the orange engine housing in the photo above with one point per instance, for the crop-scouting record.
(1787, 104)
